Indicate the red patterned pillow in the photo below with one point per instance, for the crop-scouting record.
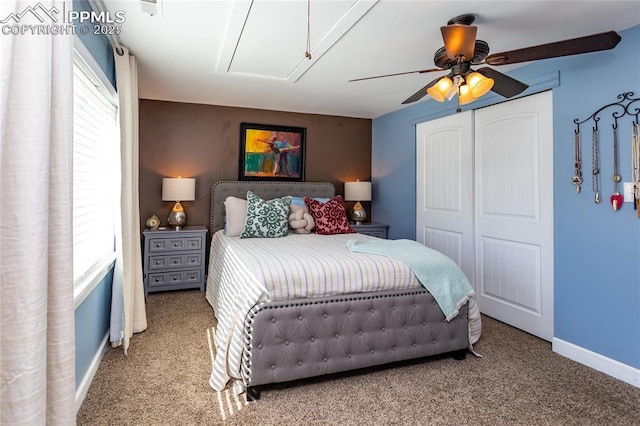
(330, 217)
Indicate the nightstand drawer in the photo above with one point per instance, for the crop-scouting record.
(174, 278)
(372, 229)
(157, 245)
(174, 261)
(379, 234)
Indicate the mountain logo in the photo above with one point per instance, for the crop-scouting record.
(39, 11)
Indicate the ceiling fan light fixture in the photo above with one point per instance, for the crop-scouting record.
(479, 84)
(459, 40)
(464, 95)
(462, 50)
(440, 90)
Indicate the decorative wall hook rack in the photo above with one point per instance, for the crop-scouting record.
(626, 105)
(620, 109)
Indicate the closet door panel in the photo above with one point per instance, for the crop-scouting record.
(444, 203)
(514, 213)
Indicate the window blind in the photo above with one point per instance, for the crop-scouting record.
(95, 144)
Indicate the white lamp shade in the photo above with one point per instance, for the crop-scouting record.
(178, 189)
(357, 191)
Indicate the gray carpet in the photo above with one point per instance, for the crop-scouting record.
(519, 381)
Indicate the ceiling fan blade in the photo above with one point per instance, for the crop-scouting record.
(459, 40)
(575, 46)
(503, 84)
(398, 73)
(420, 93)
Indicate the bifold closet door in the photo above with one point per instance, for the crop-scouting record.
(444, 188)
(514, 212)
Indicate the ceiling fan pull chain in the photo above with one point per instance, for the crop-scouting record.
(307, 53)
(595, 165)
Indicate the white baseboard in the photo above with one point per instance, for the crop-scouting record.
(82, 390)
(598, 362)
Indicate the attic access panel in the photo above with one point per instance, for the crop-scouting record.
(267, 39)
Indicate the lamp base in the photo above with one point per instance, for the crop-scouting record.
(358, 214)
(177, 217)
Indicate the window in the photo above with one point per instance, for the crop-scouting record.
(95, 177)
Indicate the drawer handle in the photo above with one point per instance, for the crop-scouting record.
(175, 244)
(157, 279)
(175, 260)
(157, 245)
(192, 276)
(193, 243)
(157, 262)
(174, 278)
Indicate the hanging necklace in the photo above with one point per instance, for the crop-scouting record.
(577, 158)
(595, 166)
(616, 198)
(635, 164)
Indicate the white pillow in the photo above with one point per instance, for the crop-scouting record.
(236, 215)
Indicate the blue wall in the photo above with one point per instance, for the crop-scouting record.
(92, 316)
(98, 45)
(92, 324)
(597, 251)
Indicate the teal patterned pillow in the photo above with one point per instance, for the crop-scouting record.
(266, 219)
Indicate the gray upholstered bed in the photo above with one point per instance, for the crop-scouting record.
(295, 339)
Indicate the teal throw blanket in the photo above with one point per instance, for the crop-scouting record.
(439, 274)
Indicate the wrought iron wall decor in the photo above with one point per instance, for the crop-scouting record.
(623, 107)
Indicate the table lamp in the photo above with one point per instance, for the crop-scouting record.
(357, 191)
(178, 189)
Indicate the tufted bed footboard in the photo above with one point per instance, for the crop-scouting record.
(292, 340)
(301, 333)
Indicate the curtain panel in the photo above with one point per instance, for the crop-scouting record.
(37, 342)
(128, 314)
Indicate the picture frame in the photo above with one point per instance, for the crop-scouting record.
(271, 152)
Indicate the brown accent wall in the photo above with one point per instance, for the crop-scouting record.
(203, 141)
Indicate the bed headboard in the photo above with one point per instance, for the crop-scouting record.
(266, 190)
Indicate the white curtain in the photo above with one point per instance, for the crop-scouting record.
(37, 342)
(128, 313)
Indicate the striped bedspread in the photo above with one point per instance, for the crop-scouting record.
(244, 272)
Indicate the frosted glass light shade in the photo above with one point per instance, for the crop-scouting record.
(439, 90)
(357, 191)
(178, 189)
(465, 96)
(479, 84)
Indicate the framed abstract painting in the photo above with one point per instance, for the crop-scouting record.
(269, 152)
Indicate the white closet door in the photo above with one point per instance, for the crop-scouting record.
(514, 213)
(444, 199)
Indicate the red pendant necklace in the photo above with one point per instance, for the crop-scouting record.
(616, 198)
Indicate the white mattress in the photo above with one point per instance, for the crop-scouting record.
(244, 272)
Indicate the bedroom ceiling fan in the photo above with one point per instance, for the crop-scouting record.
(462, 50)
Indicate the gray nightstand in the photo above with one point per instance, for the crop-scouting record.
(173, 259)
(371, 228)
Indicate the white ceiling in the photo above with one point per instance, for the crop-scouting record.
(252, 53)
